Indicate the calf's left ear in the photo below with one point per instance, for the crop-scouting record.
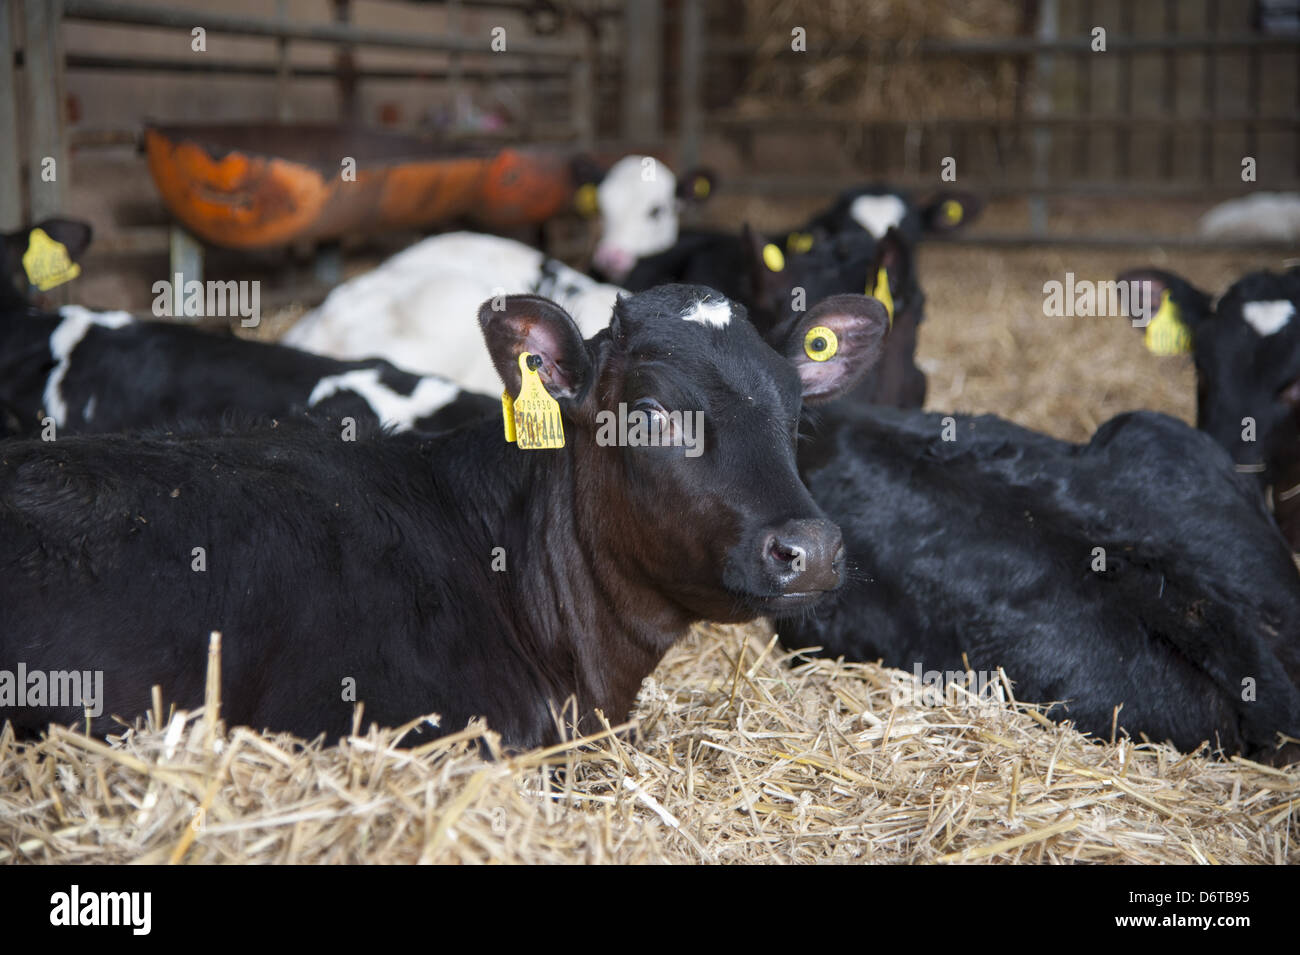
(836, 343)
(530, 323)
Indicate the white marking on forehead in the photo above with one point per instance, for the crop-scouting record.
(713, 314)
(1268, 318)
(63, 342)
(877, 214)
(398, 410)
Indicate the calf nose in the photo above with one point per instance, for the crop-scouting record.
(805, 555)
(612, 260)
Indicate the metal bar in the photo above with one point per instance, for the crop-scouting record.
(1112, 240)
(642, 56)
(582, 96)
(802, 186)
(1025, 46)
(11, 161)
(1044, 69)
(690, 89)
(839, 119)
(1168, 90)
(94, 61)
(112, 11)
(1209, 98)
(43, 68)
(1124, 97)
(282, 66)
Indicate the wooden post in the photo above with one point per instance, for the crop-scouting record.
(643, 31)
(690, 109)
(11, 160)
(43, 63)
(1045, 68)
(582, 88)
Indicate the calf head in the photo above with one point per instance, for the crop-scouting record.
(876, 209)
(853, 262)
(639, 201)
(1247, 353)
(712, 514)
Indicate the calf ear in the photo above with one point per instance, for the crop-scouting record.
(891, 271)
(950, 210)
(1193, 305)
(829, 365)
(530, 323)
(74, 234)
(696, 185)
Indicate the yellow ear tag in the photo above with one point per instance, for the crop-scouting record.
(1166, 334)
(951, 211)
(820, 344)
(47, 262)
(798, 242)
(773, 258)
(586, 201)
(701, 187)
(882, 294)
(532, 419)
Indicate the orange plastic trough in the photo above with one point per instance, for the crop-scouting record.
(255, 187)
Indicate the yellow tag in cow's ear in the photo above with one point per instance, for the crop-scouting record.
(508, 414)
(798, 242)
(820, 344)
(701, 187)
(536, 414)
(951, 211)
(773, 258)
(47, 262)
(586, 201)
(1167, 333)
(880, 292)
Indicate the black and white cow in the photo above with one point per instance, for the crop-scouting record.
(416, 309)
(456, 574)
(1247, 353)
(88, 371)
(1138, 571)
(875, 209)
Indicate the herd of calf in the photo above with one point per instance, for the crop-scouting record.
(345, 509)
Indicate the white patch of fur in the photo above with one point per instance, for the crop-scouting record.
(877, 214)
(713, 314)
(1268, 318)
(393, 409)
(63, 342)
(420, 308)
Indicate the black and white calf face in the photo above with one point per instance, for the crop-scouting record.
(1247, 352)
(718, 518)
(876, 209)
(639, 201)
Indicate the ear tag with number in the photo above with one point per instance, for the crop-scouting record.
(1167, 334)
(951, 211)
(47, 262)
(701, 187)
(586, 201)
(820, 344)
(533, 418)
(882, 294)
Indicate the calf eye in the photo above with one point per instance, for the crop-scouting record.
(656, 211)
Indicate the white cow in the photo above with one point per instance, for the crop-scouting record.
(419, 308)
(1267, 215)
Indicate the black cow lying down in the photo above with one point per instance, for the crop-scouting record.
(1135, 571)
(455, 574)
(88, 371)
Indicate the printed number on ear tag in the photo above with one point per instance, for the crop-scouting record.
(880, 292)
(820, 344)
(1167, 334)
(535, 414)
(47, 262)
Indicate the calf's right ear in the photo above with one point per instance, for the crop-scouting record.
(530, 323)
(1188, 305)
(836, 343)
